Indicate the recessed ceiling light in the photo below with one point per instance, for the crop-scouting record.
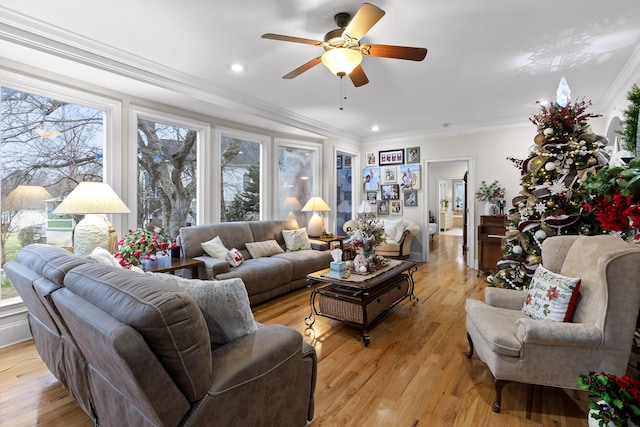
(375, 128)
(238, 68)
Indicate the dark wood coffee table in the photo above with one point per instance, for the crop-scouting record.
(358, 300)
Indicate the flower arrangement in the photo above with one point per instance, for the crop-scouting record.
(490, 193)
(619, 398)
(143, 244)
(368, 234)
(445, 202)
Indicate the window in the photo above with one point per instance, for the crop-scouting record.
(240, 178)
(167, 176)
(48, 146)
(298, 179)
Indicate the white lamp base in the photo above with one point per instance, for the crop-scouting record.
(315, 227)
(94, 231)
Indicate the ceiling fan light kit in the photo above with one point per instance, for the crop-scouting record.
(343, 51)
(341, 61)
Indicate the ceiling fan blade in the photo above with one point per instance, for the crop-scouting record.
(301, 69)
(358, 77)
(365, 18)
(397, 52)
(290, 39)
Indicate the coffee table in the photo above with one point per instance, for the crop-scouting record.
(361, 300)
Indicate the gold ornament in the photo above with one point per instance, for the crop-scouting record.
(539, 138)
(592, 161)
(551, 203)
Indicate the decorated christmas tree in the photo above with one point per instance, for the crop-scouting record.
(565, 153)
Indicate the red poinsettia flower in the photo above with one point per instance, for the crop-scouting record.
(552, 293)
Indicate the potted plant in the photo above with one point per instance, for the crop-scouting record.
(618, 399)
(445, 203)
(141, 244)
(490, 194)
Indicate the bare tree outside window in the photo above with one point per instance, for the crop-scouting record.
(167, 179)
(48, 147)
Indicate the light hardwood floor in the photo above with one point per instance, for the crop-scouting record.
(413, 373)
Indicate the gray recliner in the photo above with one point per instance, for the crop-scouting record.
(518, 348)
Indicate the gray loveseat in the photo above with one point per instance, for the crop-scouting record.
(135, 350)
(265, 277)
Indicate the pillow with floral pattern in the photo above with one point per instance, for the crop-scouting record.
(551, 296)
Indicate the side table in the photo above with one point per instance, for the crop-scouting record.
(172, 265)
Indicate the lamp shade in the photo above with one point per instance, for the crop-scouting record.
(315, 204)
(26, 197)
(364, 207)
(341, 61)
(92, 198)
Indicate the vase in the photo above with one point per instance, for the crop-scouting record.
(366, 253)
(489, 208)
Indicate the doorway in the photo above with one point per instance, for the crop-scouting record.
(450, 178)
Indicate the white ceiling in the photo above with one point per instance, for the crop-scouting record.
(488, 61)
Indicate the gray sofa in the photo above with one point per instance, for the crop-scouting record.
(134, 349)
(264, 278)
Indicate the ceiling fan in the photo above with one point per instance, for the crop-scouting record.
(343, 51)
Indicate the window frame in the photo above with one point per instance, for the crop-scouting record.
(112, 130)
(203, 149)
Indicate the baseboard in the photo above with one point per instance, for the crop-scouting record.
(14, 328)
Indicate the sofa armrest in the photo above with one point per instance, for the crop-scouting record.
(213, 267)
(504, 298)
(544, 332)
(319, 245)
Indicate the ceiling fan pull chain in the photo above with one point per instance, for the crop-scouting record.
(343, 90)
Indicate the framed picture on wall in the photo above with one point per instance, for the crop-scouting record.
(413, 155)
(372, 197)
(390, 192)
(346, 162)
(372, 159)
(391, 157)
(410, 198)
(396, 207)
(338, 162)
(389, 175)
(409, 177)
(383, 207)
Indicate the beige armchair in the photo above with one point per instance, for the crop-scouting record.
(518, 348)
(399, 233)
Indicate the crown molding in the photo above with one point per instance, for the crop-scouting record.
(34, 34)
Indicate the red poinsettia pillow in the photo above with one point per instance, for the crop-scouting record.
(551, 296)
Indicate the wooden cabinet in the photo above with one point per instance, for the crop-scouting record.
(490, 233)
(446, 220)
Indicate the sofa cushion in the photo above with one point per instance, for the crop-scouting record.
(393, 229)
(223, 303)
(168, 319)
(261, 274)
(296, 240)
(232, 234)
(102, 256)
(483, 318)
(49, 261)
(306, 261)
(551, 296)
(215, 248)
(264, 249)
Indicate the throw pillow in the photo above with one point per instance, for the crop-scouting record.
(296, 240)
(393, 229)
(215, 248)
(104, 257)
(223, 303)
(234, 257)
(264, 249)
(552, 296)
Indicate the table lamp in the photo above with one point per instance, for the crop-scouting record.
(315, 227)
(93, 199)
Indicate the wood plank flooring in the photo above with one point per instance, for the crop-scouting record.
(413, 373)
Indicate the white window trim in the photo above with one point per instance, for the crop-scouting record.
(203, 153)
